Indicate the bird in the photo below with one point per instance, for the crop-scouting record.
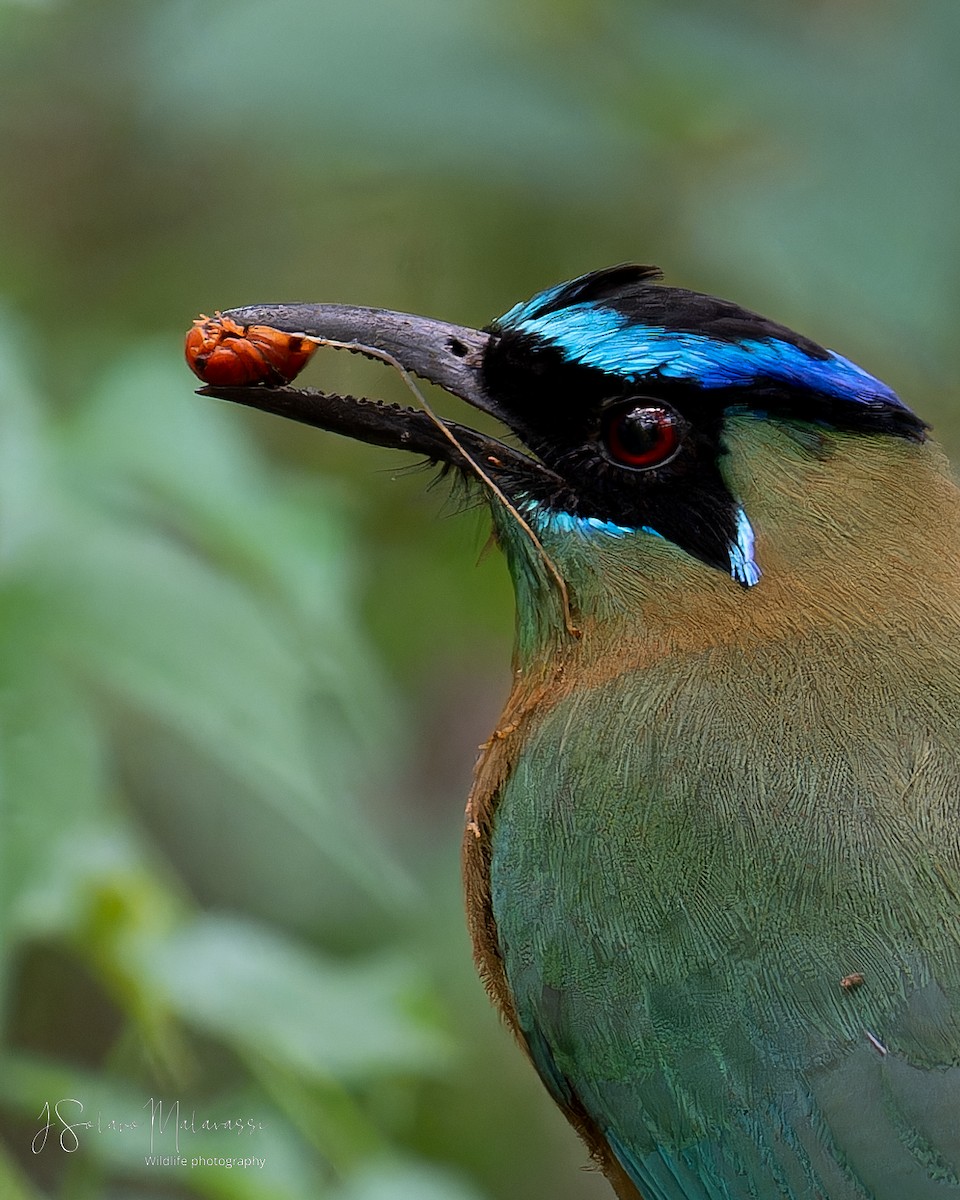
(711, 851)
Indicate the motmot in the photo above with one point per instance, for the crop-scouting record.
(711, 851)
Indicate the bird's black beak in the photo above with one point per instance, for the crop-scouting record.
(448, 355)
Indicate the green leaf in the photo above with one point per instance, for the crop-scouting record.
(197, 588)
(262, 992)
(164, 631)
(51, 762)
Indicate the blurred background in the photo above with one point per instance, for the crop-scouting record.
(244, 667)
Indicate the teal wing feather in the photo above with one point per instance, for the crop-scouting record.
(685, 867)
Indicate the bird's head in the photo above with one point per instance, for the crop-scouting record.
(660, 427)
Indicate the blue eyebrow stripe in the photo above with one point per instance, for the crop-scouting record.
(601, 337)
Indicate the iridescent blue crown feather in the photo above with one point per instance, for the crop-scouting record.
(622, 322)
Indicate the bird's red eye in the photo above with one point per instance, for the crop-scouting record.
(641, 434)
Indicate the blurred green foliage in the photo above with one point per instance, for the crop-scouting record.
(243, 667)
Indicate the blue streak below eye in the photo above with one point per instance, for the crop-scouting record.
(743, 566)
(563, 522)
(547, 521)
(600, 337)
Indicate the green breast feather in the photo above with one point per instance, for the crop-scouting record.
(686, 866)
